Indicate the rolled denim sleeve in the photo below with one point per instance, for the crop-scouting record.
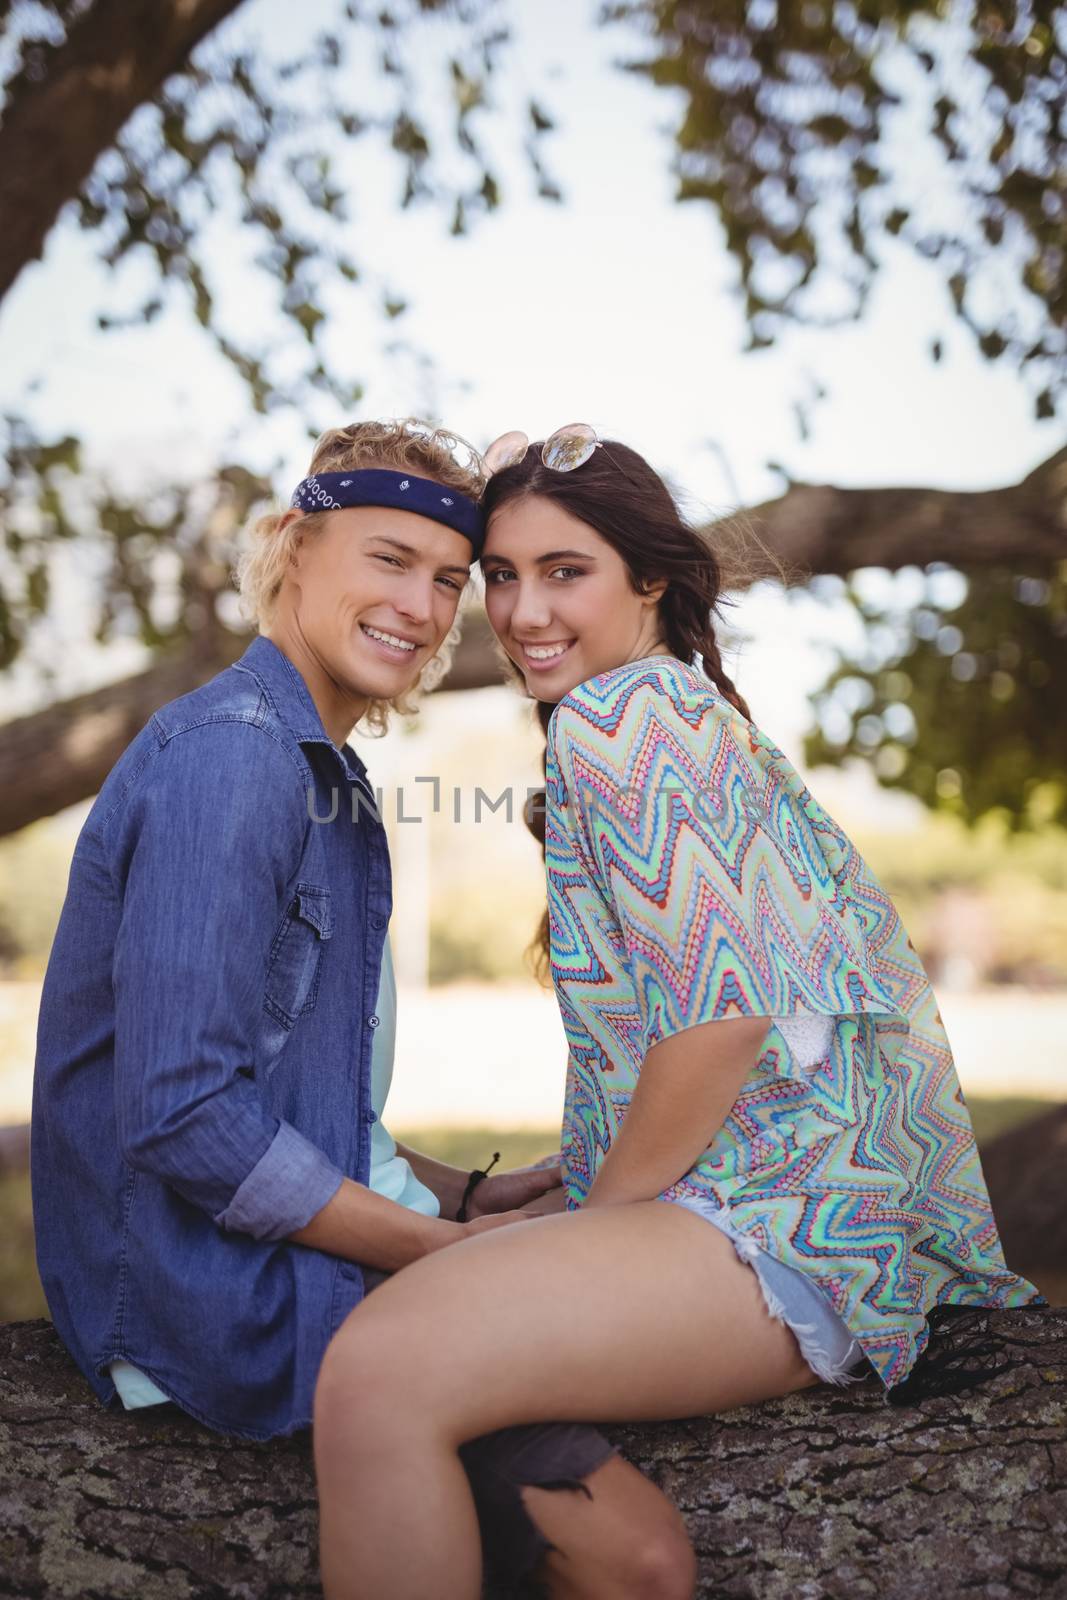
(288, 1185)
(207, 844)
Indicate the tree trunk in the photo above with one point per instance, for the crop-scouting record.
(828, 1494)
(115, 57)
(1026, 1173)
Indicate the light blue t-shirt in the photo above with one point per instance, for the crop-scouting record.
(390, 1173)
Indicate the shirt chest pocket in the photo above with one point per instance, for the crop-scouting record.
(294, 966)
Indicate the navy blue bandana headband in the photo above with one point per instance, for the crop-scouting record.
(373, 486)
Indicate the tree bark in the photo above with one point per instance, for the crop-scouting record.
(828, 1494)
(114, 59)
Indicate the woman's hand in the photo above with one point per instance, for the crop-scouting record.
(515, 1191)
(547, 1205)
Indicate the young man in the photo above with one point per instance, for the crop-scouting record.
(203, 1101)
(210, 1178)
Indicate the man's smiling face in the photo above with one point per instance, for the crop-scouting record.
(369, 599)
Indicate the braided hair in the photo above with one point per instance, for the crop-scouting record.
(619, 496)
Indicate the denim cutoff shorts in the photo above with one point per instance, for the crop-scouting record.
(828, 1346)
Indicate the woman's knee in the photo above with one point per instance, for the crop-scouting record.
(660, 1563)
(364, 1372)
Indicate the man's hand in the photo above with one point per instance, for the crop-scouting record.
(515, 1191)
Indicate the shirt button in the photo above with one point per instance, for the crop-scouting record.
(377, 922)
(370, 1116)
(372, 1022)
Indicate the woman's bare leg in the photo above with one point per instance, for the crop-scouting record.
(620, 1312)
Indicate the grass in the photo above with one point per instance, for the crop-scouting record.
(993, 1115)
(474, 1147)
(21, 1295)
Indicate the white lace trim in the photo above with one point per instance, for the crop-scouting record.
(808, 1037)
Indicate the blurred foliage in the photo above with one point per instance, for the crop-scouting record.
(157, 565)
(21, 1294)
(1011, 884)
(992, 1114)
(34, 867)
(959, 698)
(456, 956)
(798, 127)
(472, 1147)
(263, 138)
(470, 940)
(823, 136)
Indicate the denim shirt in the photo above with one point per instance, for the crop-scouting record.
(203, 1078)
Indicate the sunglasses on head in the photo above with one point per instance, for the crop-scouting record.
(567, 448)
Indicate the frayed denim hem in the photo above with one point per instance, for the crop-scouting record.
(840, 1369)
(826, 1344)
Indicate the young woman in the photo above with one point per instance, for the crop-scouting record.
(770, 1170)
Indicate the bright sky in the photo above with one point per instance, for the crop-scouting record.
(615, 308)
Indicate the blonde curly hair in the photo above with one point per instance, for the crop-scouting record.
(406, 444)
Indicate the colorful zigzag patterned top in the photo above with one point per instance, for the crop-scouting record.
(693, 876)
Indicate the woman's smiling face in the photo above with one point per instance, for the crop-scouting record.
(560, 599)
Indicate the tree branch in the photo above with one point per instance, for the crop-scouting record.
(54, 758)
(816, 528)
(114, 59)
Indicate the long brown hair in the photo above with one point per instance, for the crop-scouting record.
(619, 496)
